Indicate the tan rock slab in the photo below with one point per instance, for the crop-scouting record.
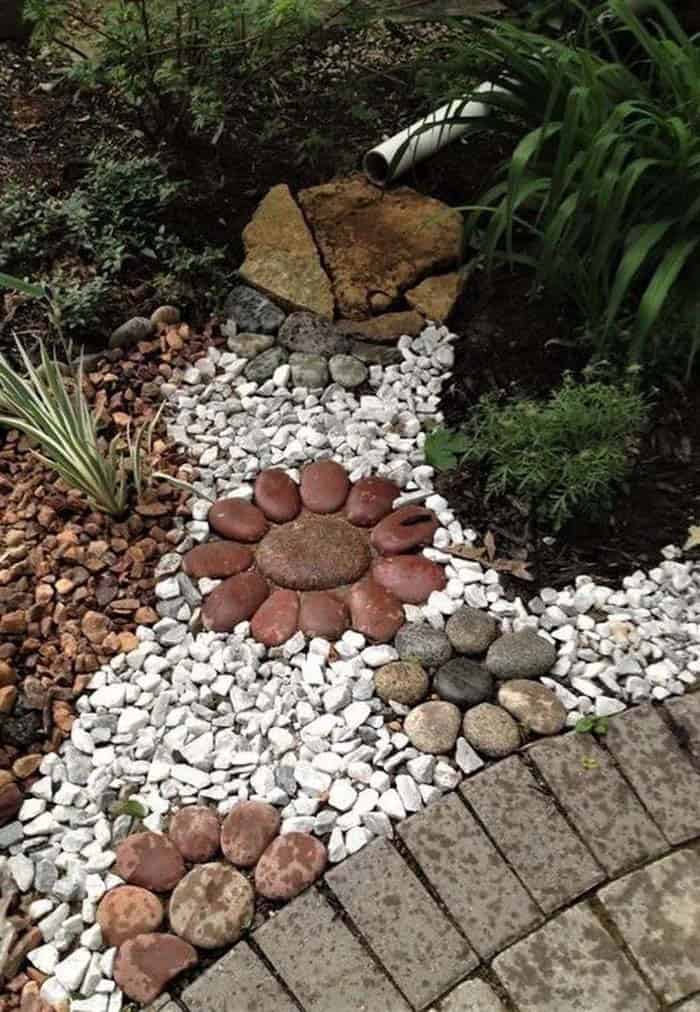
(212, 906)
(435, 297)
(281, 257)
(375, 243)
(384, 329)
(238, 981)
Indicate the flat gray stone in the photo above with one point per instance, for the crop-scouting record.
(162, 1003)
(572, 965)
(692, 1005)
(322, 962)
(472, 996)
(656, 911)
(659, 770)
(599, 801)
(523, 654)
(685, 714)
(240, 980)
(404, 926)
(471, 878)
(533, 836)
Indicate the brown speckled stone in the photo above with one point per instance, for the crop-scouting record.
(375, 612)
(247, 831)
(233, 601)
(277, 495)
(323, 614)
(370, 500)
(290, 864)
(147, 963)
(406, 528)
(195, 832)
(314, 553)
(150, 860)
(212, 906)
(237, 519)
(324, 486)
(217, 560)
(128, 911)
(412, 578)
(276, 619)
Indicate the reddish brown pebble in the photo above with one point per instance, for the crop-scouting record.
(290, 864)
(324, 486)
(277, 495)
(149, 860)
(145, 964)
(276, 619)
(128, 911)
(233, 601)
(412, 578)
(11, 799)
(370, 500)
(247, 831)
(237, 519)
(195, 832)
(323, 614)
(404, 529)
(212, 906)
(375, 612)
(217, 560)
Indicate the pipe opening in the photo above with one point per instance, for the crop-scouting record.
(376, 167)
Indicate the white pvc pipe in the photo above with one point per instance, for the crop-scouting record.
(423, 138)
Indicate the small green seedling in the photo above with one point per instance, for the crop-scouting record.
(589, 763)
(130, 807)
(443, 448)
(595, 725)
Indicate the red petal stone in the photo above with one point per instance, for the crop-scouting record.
(195, 832)
(277, 495)
(324, 486)
(323, 614)
(145, 964)
(150, 860)
(128, 911)
(276, 619)
(375, 612)
(248, 830)
(290, 864)
(406, 528)
(412, 578)
(370, 500)
(217, 560)
(234, 601)
(237, 519)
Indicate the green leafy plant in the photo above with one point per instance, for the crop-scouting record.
(591, 724)
(564, 456)
(601, 197)
(443, 448)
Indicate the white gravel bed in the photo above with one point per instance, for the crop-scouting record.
(197, 716)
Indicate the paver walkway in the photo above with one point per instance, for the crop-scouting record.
(562, 879)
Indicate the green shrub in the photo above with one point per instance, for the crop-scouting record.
(601, 196)
(565, 456)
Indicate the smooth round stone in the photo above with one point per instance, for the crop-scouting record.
(195, 832)
(165, 316)
(290, 864)
(249, 345)
(370, 500)
(433, 726)
(535, 706)
(237, 519)
(150, 860)
(263, 366)
(412, 578)
(314, 553)
(277, 495)
(406, 528)
(147, 963)
(522, 654)
(419, 641)
(471, 631)
(277, 618)
(324, 486)
(233, 601)
(323, 614)
(463, 682)
(217, 560)
(403, 681)
(247, 831)
(348, 371)
(374, 611)
(310, 371)
(212, 906)
(490, 730)
(128, 911)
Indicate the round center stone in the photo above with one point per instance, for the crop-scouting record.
(314, 553)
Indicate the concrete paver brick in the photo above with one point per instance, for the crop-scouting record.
(476, 885)
(599, 801)
(685, 712)
(402, 923)
(524, 822)
(691, 1005)
(657, 911)
(572, 965)
(472, 996)
(237, 981)
(321, 961)
(659, 770)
